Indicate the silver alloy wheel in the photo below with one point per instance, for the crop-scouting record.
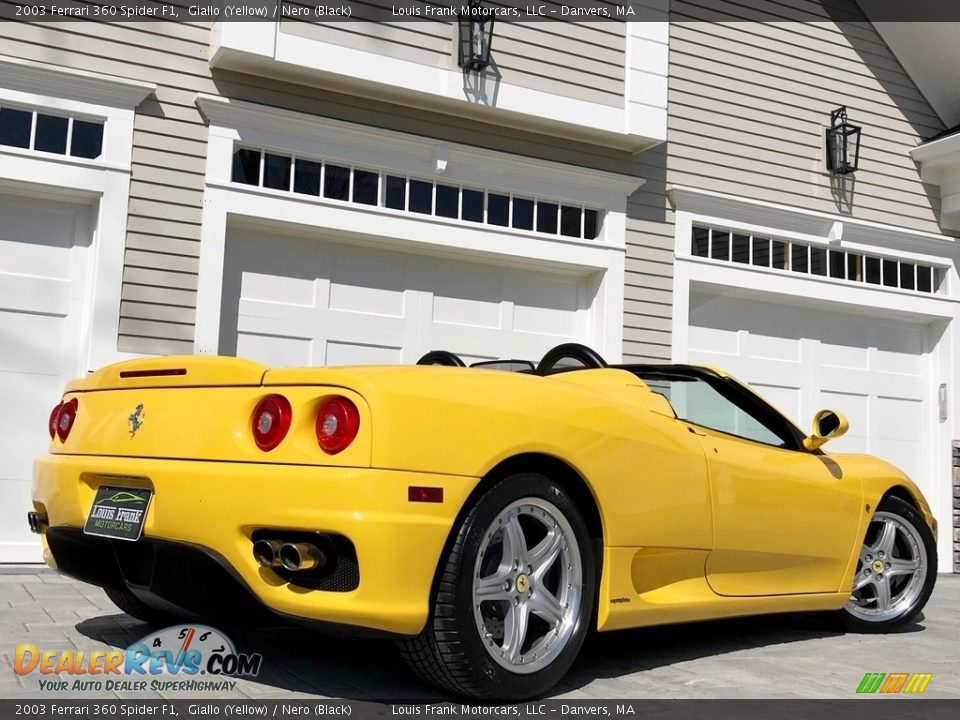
(527, 585)
(891, 570)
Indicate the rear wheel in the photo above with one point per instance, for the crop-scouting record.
(896, 570)
(514, 597)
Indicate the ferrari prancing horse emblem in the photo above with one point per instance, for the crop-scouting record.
(136, 419)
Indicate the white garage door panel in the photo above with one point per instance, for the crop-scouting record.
(874, 370)
(43, 261)
(291, 301)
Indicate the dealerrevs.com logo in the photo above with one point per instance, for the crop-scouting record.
(891, 683)
(178, 658)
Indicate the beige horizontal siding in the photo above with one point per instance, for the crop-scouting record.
(749, 102)
(582, 60)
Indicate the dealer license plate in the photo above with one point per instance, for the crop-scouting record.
(118, 512)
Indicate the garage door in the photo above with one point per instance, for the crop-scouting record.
(873, 370)
(43, 261)
(299, 302)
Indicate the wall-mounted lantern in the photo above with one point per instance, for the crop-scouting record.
(843, 144)
(476, 34)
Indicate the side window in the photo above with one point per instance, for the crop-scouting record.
(699, 402)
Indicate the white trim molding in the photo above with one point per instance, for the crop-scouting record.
(234, 123)
(939, 163)
(262, 48)
(104, 183)
(70, 83)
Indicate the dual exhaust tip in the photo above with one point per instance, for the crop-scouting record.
(292, 556)
(37, 521)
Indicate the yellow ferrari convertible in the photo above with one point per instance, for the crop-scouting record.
(485, 519)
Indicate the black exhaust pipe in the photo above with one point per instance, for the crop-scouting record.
(37, 522)
(267, 552)
(300, 556)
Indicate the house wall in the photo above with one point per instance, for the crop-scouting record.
(582, 60)
(749, 103)
(747, 107)
(161, 262)
(169, 150)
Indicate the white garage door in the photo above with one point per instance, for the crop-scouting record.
(300, 302)
(873, 370)
(43, 262)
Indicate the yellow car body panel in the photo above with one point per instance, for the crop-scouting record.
(690, 528)
(217, 506)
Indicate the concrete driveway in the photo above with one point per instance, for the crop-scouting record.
(785, 656)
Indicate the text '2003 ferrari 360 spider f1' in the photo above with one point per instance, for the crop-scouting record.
(487, 520)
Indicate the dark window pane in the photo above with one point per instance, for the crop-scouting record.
(872, 272)
(890, 278)
(523, 214)
(818, 261)
(700, 246)
(336, 182)
(720, 245)
(855, 267)
(761, 252)
(498, 210)
(570, 221)
(51, 134)
(924, 279)
(741, 248)
(246, 166)
(365, 187)
(779, 254)
(306, 177)
(591, 224)
(448, 197)
(472, 205)
(547, 217)
(15, 127)
(396, 193)
(907, 272)
(86, 141)
(798, 258)
(836, 265)
(421, 197)
(276, 172)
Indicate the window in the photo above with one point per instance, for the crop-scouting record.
(808, 259)
(699, 402)
(262, 168)
(55, 134)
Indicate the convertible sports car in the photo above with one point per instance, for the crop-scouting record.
(485, 519)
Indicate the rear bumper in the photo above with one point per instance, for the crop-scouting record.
(196, 549)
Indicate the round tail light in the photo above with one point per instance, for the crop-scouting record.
(337, 424)
(66, 416)
(54, 419)
(271, 421)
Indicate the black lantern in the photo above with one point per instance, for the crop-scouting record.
(476, 32)
(843, 144)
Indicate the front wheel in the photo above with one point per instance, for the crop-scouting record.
(896, 570)
(514, 597)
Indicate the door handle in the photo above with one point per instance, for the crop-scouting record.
(696, 432)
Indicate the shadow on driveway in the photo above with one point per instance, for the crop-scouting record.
(299, 661)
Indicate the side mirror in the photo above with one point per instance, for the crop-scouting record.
(827, 425)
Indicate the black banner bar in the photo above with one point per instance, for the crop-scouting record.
(503, 10)
(875, 709)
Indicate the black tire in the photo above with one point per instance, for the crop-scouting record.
(136, 608)
(450, 653)
(908, 514)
